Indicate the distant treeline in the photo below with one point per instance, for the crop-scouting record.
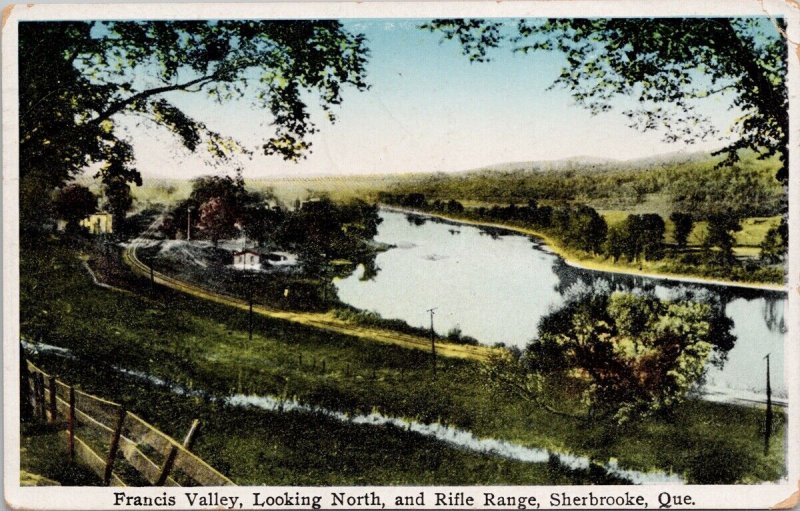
(697, 184)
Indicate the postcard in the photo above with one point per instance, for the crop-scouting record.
(401, 255)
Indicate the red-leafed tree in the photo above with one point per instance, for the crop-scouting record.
(217, 219)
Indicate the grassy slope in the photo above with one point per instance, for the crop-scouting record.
(40, 467)
(204, 345)
(321, 320)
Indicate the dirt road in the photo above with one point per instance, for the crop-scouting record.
(325, 321)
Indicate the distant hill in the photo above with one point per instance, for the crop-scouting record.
(584, 163)
(654, 184)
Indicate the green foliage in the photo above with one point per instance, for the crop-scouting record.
(683, 223)
(637, 236)
(373, 319)
(720, 235)
(636, 354)
(455, 335)
(73, 203)
(119, 201)
(68, 112)
(581, 227)
(773, 248)
(322, 230)
(688, 184)
(729, 190)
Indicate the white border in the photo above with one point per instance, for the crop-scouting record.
(732, 497)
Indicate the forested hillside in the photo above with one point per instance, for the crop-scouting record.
(682, 182)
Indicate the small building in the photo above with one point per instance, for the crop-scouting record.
(247, 260)
(98, 223)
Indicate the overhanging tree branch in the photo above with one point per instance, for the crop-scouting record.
(122, 104)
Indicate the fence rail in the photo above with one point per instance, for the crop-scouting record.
(119, 446)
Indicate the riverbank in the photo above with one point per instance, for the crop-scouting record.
(200, 344)
(590, 264)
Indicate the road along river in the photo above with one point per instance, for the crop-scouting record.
(495, 285)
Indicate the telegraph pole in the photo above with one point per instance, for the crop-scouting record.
(250, 316)
(433, 343)
(768, 425)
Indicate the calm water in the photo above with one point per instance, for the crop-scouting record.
(496, 288)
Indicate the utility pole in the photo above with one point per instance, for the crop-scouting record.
(433, 343)
(768, 425)
(250, 316)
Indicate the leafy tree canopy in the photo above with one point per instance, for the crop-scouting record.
(73, 203)
(667, 64)
(632, 353)
(76, 78)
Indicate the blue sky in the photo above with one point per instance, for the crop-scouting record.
(428, 110)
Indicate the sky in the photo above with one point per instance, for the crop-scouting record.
(428, 110)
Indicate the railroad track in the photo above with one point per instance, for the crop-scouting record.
(324, 321)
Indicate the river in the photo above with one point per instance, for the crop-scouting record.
(496, 285)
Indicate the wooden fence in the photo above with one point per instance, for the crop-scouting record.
(119, 446)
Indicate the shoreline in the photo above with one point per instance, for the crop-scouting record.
(593, 266)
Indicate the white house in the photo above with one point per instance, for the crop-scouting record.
(247, 260)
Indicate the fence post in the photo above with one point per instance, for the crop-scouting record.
(26, 411)
(71, 425)
(42, 397)
(173, 453)
(38, 390)
(35, 401)
(112, 451)
(52, 388)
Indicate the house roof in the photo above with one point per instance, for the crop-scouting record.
(248, 251)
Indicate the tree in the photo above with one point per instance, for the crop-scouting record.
(651, 235)
(729, 190)
(616, 241)
(75, 82)
(118, 195)
(217, 219)
(633, 354)
(773, 247)
(260, 222)
(720, 234)
(583, 228)
(453, 206)
(73, 203)
(668, 65)
(683, 223)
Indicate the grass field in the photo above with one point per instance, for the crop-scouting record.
(203, 345)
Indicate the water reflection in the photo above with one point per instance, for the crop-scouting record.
(496, 288)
